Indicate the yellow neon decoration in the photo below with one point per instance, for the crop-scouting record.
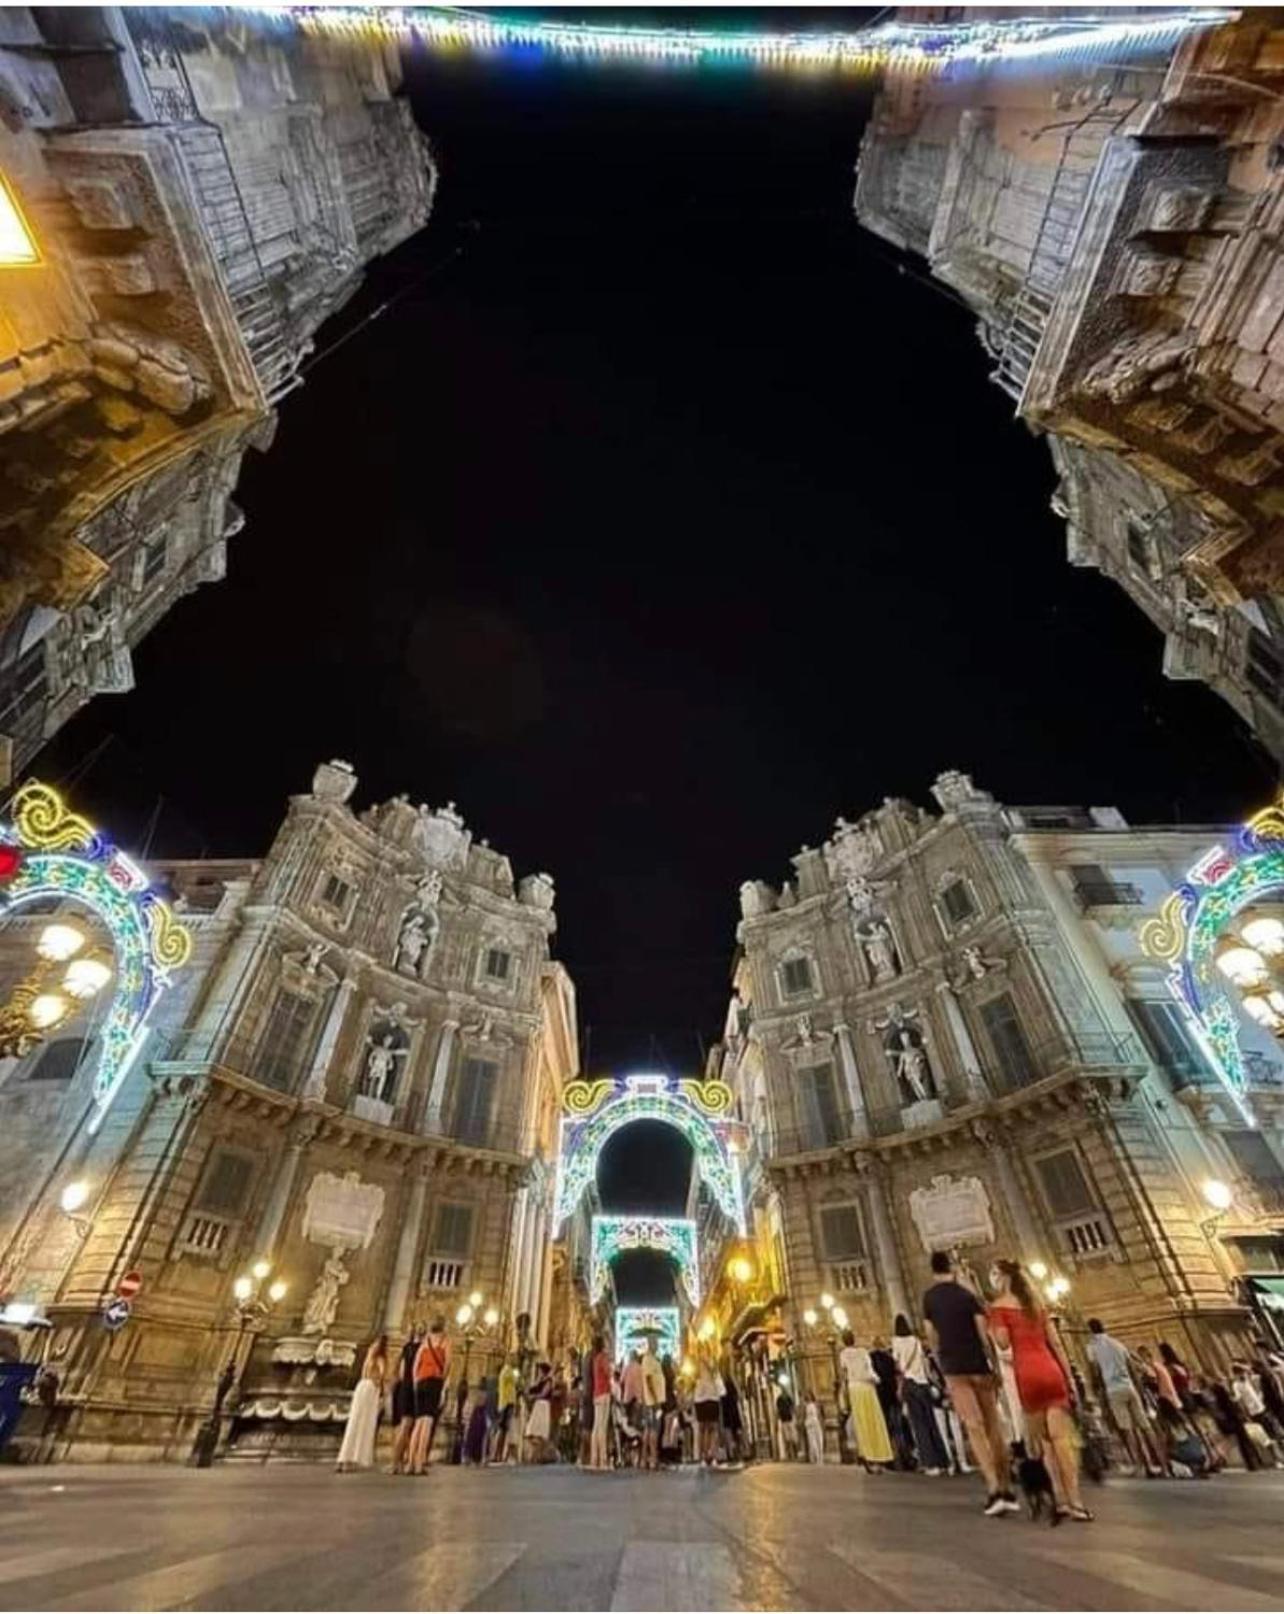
(1268, 825)
(171, 942)
(1164, 936)
(714, 1098)
(43, 821)
(583, 1097)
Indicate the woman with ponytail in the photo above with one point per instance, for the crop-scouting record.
(1044, 1383)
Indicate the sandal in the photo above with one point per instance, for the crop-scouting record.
(1081, 1515)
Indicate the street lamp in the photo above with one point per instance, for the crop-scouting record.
(473, 1323)
(71, 1201)
(829, 1329)
(254, 1304)
(1252, 960)
(40, 1001)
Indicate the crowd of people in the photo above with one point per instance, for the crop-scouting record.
(986, 1385)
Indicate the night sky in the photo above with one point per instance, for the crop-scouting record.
(664, 516)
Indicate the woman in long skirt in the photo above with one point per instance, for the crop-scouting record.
(868, 1426)
(357, 1450)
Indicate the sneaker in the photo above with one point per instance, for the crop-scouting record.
(932, 1473)
(1010, 1503)
(995, 1506)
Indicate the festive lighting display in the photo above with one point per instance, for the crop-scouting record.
(671, 1235)
(1191, 937)
(633, 1325)
(899, 46)
(48, 851)
(594, 1111)
(18, 249)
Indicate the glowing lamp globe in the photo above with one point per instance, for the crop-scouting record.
(85, 977)
(1038, 1271)
(45, 1011)
(811, 1317)
(260, 1269)
(464, 1315)
(1216, 1194)
(277, 1291)
(475, 1299)
(243, 1288)
(706, 1328)
(741, 1269)
(73, 1196)
(839, 1316)
(491, 1317)
(1241, 965)
(1258, 1006)
(1265, 933)
(827, 1302)
(58, 943)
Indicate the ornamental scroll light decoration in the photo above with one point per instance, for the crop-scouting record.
(1195, 918)
(673, 1236)
(47, 851)
(634, 1324)
(594, 1110)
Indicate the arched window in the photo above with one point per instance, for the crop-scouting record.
(59, 1061)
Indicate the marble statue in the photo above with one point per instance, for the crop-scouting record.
(323, 1302)
(911, 1065)
(880, 950)
(412, 943)
(381, 1063)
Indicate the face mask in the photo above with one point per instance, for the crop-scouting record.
(996, 1280)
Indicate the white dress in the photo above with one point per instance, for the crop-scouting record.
(538, 1426)
(357, 1450)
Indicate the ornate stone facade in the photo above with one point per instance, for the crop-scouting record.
(203, 192)
(377, 1122)
(1001, 1074)
(1111, 224)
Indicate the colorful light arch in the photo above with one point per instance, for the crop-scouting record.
(633, 1324)
(674, 1236)
(594, 1111)
(48, 851)
(1191, 922)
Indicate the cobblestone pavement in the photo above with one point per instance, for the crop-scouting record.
(772, 1537)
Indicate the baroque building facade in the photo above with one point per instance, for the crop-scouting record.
(356, 1080)
(201, 189)
(945, 1035)
(1111, 224)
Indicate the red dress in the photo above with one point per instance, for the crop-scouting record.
(1040, 1382)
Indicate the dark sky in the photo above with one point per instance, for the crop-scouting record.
(668, 520)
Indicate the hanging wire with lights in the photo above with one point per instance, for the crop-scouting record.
(910, 47)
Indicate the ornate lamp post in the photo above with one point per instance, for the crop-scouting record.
(40, 1002)
(255, 1297)
(473, 1323)
(830, 1329)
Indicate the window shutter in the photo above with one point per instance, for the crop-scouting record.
(796, 976)
(822, 1120)
(474, 1100)
(226, 1184)
(841, 1232)
(1254, 1156)
(59, 1061)
(453, 1233)
(956, 899)
(1064, 1185)
(284, 1040)
(1165, 1037)
(1007, 1038)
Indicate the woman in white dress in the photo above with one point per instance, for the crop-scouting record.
(357, 1450)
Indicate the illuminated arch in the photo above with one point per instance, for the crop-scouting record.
(48, 851)
(674, 1236)
(1192, 921)
(634, 1323)
(594, 1111)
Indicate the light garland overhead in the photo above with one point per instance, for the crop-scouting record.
(673, 1236)
(52, 852)
(634, 1323)
(912, 47)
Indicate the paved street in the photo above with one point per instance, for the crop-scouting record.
(791, 1538)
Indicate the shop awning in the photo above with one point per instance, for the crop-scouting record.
(1269, 1289)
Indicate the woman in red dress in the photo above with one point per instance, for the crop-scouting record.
(1043, 1380)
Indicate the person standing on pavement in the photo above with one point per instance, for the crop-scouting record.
(653, 1393)
(708, 1406)
(1114, 1363)
(788, 1428)
(869, 1430)
(600, 1375)
(432, 1364)
(959, 1335)
(814, 1423)
(403, 1399)
(916, 1397)
(1044, 1382)
(357, 1449)
(633, 1390)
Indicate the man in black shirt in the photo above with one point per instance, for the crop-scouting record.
(960, 1338)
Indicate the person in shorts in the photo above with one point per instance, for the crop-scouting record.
(432, 1364)
(653, 1397)
(960, 1339)
(1114, 1364)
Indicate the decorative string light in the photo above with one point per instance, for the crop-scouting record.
(633, 1323)
(910, 47)
(671, 1235)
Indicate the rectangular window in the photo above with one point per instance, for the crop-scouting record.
(474, 1100)
(1263, 668)
(1095, 889)
(821, 1118)
(227, 1184)
(154, 556)
(841, 1232)
(1007, 1040)
(285, 1040)
(795, 976)
(335, 892)
(1255, 1157)
(452, 1231)
(1163, 1030)
(1065, 1187)
(498, 964)
(956, 899)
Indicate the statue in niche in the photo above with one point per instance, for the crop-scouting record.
(875, 937)
(412, 942)
(379, 1076)
(323, 1302)
(428, 890)
(909, 1059)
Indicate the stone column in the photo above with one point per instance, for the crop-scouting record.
(975, 1081)
(314, 1087)
(529, 1277)
(433, 1121)
(403, 1270)
(889, 1261)
(516, 1237)
(851, 1077)
(279, 1199)
(1031, 1245)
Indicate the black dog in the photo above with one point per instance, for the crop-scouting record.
(1036, 1486)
